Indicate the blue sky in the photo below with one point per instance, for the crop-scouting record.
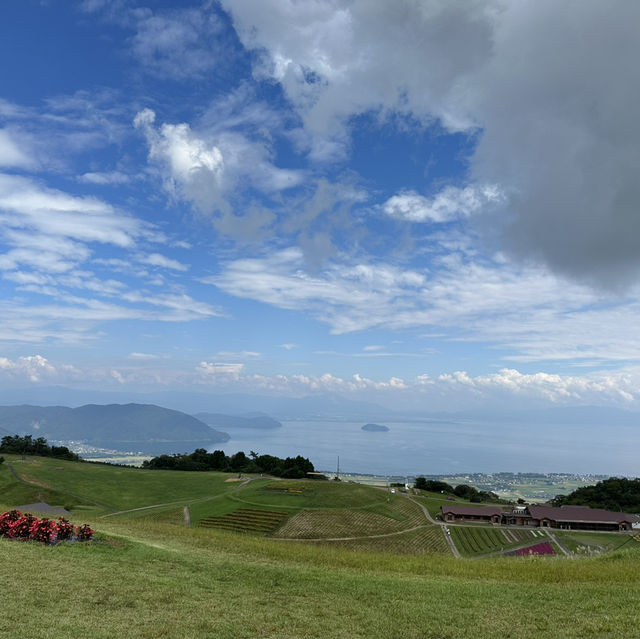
(419, 203)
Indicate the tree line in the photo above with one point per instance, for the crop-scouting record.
(27, 445)
(200, 460)
(464, 491)
(616, 493)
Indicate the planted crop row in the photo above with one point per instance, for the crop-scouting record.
(484, 540)
(339, 522)
(246, 519)
(416, 542)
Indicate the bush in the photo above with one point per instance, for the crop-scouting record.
(84, 532)
(25, 526)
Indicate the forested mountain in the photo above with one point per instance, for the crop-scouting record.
(111, 423)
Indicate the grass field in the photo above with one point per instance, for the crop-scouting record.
(155, 580)
(148, 575)
(113, 488)
(589, 543)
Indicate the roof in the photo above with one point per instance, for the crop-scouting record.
(486, 511)
(579, 513)
(43, 508)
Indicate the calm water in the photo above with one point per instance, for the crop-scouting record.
(445, 447)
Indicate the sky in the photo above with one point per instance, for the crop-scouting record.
(420, 203)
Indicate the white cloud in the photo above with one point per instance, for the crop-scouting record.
(527, 312)
(155, 259)
(24, 204)
(142, 356)
(231, 355)
(449, 204)
(105, 177)
(335, 59)
(209, 370)
(206, 168)
(176, 44)
(13, 154)
(549, 88)
(34, 368)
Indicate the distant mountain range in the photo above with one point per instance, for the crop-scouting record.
(115, 424)
(316, 407)
(258, 422)
(323, 407)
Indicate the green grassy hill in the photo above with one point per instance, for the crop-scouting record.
(376, 569)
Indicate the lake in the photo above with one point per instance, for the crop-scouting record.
(413, 448)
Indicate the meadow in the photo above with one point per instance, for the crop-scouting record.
(149, 575)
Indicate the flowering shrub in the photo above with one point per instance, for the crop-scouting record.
(65, 529)
(7, 519)
(24, 526)
(43, 530)
(21, 528)
(84, 532)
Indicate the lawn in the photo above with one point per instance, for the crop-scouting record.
(113, 488)
(589, 543)
(152, 580)
(298, 494)
(151, 576)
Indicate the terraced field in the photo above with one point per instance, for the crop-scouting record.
(246, 520)
(476, 540)
(396, 515)
(427, 539)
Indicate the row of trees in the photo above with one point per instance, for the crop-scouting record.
(200, 459)
(27, 445)
(616, 493)
(464, 491)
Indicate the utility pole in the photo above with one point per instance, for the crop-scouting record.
(338, 469)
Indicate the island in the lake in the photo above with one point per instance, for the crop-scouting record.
(375, 428)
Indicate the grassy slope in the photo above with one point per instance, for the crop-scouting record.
(120, 488)
(162, 581)
(153, 579)
(583, 542)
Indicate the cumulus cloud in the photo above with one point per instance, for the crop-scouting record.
(449, 204)
(335, 59)
(550, 89)
(34, 368)
(205, 169)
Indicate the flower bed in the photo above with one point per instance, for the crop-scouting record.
(27, 527)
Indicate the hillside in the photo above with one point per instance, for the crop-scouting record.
(112, 423)
(149, 575)
(616, 493)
